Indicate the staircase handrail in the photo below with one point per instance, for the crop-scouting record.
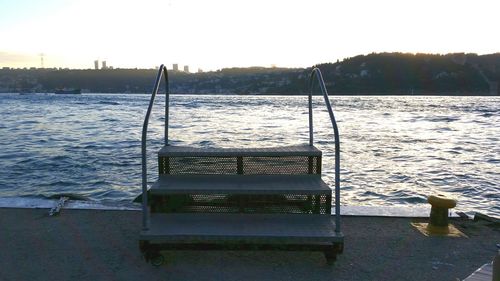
(162, 71)
(317, 73)
(314, 73)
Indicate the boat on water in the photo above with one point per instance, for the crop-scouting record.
(68, 91)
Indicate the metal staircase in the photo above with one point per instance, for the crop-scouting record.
(240, 199)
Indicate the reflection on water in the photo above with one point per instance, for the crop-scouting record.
(394, 150)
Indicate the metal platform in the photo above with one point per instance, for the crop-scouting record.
(237, 184)
(242, 228)
(184, 151)
(247, 198)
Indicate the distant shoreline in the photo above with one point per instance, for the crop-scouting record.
(286, 95)
(374, 74)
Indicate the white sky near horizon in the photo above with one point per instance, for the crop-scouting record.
(213, 34)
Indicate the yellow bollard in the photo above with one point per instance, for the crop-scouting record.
(438, 222)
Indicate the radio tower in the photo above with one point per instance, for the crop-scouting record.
(41, 59)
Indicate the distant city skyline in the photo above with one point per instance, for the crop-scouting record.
(216, 34)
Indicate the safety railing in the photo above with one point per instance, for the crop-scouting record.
(161, 72)
(317, 73)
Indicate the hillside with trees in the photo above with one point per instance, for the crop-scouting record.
(383, 73)
(393, 73)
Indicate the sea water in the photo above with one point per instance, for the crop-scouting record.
(395, 150)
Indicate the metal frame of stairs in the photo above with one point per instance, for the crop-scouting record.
(240, 199)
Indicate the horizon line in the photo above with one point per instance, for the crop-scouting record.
(200, 70)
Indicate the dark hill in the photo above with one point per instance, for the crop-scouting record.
(384, 73)
(393, 73)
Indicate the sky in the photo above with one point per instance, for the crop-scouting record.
(214, 34)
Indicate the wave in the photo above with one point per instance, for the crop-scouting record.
(48, 203)
(90, 145)
(352, 210)
(108, 102)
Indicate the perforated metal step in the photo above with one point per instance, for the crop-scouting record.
(246, 228)
(240, 184)
(184, 151)
(291, 194)
(291, 160)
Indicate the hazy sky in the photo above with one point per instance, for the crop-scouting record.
(211, 34)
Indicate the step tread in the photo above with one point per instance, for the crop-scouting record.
(186, 151)
(240, 184)
(267, 228)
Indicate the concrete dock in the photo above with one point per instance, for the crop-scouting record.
(103, 245)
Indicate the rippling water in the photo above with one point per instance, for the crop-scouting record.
(394, 150)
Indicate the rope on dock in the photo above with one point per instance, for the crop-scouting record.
(57, 208)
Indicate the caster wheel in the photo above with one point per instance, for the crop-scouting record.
(330, 261)
(330, 258)
(157, 260)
